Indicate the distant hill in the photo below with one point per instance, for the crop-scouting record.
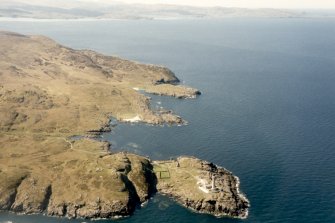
(78, 9)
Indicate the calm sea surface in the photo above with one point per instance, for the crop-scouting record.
(267, 112)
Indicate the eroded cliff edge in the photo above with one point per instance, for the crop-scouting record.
(49, 93)
(81, 180)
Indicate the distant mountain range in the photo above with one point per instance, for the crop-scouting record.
(80, 9)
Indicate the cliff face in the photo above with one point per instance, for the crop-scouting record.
(93, 184)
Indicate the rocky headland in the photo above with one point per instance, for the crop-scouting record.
(201, 186)
(49, 93)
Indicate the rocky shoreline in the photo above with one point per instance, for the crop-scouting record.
(219, 196)
(52, 93)
(33, 195)
(29, 194)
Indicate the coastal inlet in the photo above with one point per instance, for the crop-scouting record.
(50, 93)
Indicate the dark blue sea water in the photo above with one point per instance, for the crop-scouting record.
(267, 112)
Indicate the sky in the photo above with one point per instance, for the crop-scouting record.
(316, 4)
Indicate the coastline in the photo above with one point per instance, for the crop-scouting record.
(46, 156)
(179, 201)
(222, 199)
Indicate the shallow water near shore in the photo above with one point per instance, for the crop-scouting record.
(267, 112)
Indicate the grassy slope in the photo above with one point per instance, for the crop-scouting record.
(48, 93)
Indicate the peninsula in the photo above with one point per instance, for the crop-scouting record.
(49, 93)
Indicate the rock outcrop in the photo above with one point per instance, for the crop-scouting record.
(202, 187)
(111, 186)
(177, 91)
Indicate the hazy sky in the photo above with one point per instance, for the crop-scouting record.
(314, 4)
(246, 3)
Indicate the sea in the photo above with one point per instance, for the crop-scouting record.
(266, 113)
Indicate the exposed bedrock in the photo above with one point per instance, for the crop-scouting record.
(202, 187)
(115, 187)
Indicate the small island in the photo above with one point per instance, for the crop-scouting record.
(50, 93)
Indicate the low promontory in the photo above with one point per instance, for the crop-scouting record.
(49, 93)
(201, 186)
